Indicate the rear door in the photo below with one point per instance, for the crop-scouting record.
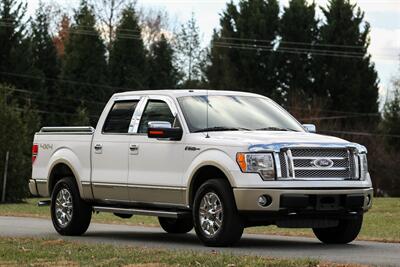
(110, 150)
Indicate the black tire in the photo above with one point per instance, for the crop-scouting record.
(81, 211)
(231, 228)
(345, 232)
(176, 226)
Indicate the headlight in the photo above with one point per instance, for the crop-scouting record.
(257, 163)
(363, 166)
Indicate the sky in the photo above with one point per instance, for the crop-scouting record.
(383, 15)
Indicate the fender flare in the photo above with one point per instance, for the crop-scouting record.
(211, 157)
(67, 157)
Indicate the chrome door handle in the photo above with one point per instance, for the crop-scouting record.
(98, 148)
(134, 149)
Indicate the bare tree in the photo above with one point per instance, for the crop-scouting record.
(154, 24)
(108, 12)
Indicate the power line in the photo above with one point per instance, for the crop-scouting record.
(361, 133)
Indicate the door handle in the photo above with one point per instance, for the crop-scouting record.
(98, 148)
(134, 149)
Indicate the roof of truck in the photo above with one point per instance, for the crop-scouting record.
(183, 92)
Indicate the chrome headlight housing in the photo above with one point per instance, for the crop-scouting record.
(261, 163)
(363, 166)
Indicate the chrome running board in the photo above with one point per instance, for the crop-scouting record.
(146, 212)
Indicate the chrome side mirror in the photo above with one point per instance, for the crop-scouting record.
(310, 128)
(159, 124)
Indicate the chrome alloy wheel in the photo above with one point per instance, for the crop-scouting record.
(64, 207)
(211, 214)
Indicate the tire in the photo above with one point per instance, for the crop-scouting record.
(80, 212)
(176, 226)
(230, 228)
(345, 232)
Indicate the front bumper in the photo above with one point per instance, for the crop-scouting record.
(302, 199)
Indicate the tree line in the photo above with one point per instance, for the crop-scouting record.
(317, 68)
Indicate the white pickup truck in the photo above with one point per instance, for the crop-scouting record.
(218, 161)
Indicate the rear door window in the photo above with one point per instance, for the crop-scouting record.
(120, 116)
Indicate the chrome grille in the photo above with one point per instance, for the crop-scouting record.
(306, 163)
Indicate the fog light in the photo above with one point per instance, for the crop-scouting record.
(264, 201)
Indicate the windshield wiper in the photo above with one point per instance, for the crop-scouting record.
(221, 128)
(275, 129)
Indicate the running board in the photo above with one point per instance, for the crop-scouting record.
(43, 203)
(158, 213)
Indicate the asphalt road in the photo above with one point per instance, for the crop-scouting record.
(375, 253)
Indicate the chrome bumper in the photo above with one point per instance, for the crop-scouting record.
(247, 198)
(38, 187)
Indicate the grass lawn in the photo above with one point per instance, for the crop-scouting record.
(381, 223)
(50, 252)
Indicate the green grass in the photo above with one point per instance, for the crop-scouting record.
(381, 223)
(47, 252)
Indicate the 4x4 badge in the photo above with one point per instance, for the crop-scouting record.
(191, 148)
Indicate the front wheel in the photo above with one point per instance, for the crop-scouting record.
(176, 226)
(69, 213)
(345, 232)
(216, 219)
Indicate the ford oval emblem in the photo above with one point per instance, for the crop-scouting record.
(323, 163)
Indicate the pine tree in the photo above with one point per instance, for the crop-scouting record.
(298, 29)
(84, 72)
(15, 48)
(242, 51)
(390, 124)
(164, 75)
(46, 62)
(18, 123)
(128, 64)
(346, 76)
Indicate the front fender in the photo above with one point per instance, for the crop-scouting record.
(210, 157)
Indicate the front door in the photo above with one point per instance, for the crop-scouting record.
(156, 168)
(110, 153)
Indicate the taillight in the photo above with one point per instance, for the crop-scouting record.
(35, 150)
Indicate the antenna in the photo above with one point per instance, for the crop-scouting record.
(207, 135)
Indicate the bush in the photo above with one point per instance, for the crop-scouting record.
(18, 123)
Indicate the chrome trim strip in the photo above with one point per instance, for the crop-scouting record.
(278, 165)
(277, 147)
(314, 158)
(138, 186)
(158, 213)
(291, 163)
(86, 130)
(320, 169)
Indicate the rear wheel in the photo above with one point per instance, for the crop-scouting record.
(69, 213)
(216, 219)
(346, 231)
(176, 226)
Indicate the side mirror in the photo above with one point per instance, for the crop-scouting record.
(163, 130)
(310, 128)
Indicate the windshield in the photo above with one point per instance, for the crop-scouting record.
(235, 113)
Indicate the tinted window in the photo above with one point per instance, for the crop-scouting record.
(156, 110)
(120, 116)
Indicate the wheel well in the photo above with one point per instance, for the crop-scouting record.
(201, 176)
(58, 172)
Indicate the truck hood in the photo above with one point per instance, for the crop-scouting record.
(259, 139)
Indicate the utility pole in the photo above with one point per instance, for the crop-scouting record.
(3, 196)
